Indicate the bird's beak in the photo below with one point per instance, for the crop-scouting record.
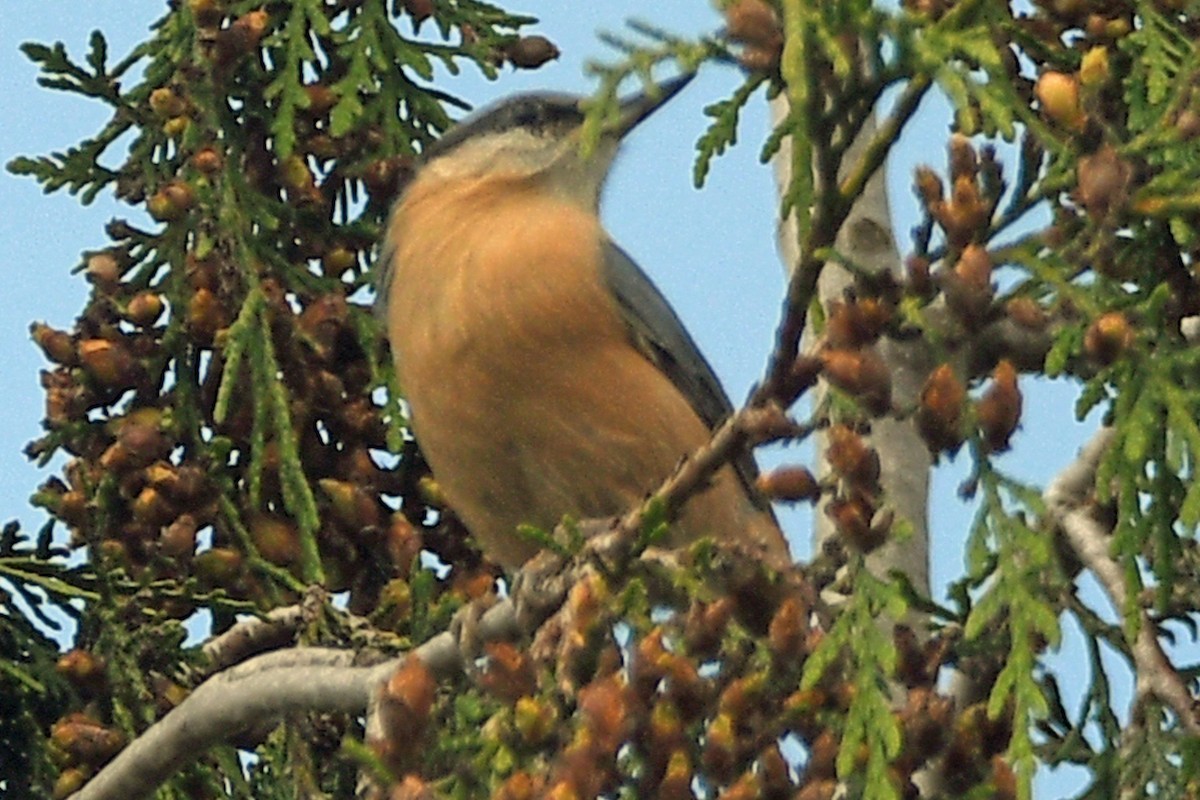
(637, 108)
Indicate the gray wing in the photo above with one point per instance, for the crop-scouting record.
(658, 333)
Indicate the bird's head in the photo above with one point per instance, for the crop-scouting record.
(538, 136)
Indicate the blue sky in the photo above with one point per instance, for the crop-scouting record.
(712, 252)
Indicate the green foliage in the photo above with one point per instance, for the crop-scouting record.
(32, 693)
(870, 724)
(722, 133)
(1018, 602)
(639, 60)
(221, 399)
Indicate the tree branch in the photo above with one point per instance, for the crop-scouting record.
(1067, 499)
(268, 687)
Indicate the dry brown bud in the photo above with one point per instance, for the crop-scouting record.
(966, 215)
(218, 566)
(71, 780)
(1027, 312)
(855, 323)
(383, 177)
(352, 505)
(419, 10)
(964, 163)
(171, 202)
(929, 187)
(109, 363)
(253, 24)
(745, 788)
(178, 540)
(534, 719)
(207, 160)
(968, 288)
(910, 658)
(152, 508)
(1058, 94)
(753, 22)
(531, 52)
(706, 624)
(853, 517)
(852, 459)
(403, 543)
(789, 484)
(276, 538)
(666, 729)
(59, 346)
(822, 756)
(818, 789)
(1004, 780)
(676, 783)
(861, 373)
(144, 308)
(760, 59)
(1107, 338)
(1093, 69)
(1104, 179)
(103, 269)
(165, 103)
(1099, 26)
(720, 747)
(939, 416)
(83, 669)
(519, 786)
(916, 269)
(756, 25)
(412, 787)
(509, 672)
(85, 740)
(406, 701)
(176, 127)
(788, 630)
(73, 507)
(605, 707)
(206, 13)
(204, 315)
(926, 720)
(999, 410)
(1188, 125)
(184, 483)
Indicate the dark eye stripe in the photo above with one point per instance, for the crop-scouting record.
(536, 112)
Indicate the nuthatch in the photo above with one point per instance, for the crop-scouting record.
(545, 374)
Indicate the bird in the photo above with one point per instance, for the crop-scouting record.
(545, 374)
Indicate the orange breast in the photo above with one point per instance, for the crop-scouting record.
(527, 397)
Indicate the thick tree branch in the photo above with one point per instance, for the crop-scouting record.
(248, 637)
(269, 686)
(1067, 498)
(264, 687)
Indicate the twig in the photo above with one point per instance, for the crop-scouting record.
(1067, 499)
(881, 144)
(692, 475)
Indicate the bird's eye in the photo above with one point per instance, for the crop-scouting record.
(529, 117)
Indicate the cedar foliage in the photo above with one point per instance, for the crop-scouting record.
(235, 438)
